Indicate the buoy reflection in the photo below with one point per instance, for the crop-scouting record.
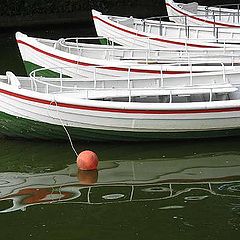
(87, 177)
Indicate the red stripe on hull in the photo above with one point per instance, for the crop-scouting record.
(121, 69)
(155, 39)
(116, 110)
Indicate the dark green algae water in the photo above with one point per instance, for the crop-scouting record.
(175, 190)
(162, 190)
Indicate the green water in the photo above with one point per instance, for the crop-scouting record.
(141, 191)
(164, 190)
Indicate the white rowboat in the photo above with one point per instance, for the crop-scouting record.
(216, 17)
(155, 34)
(190, 106)
(80, 59)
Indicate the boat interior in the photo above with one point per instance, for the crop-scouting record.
(145, 56)
(182, 29)
(140, 90)
(226, 12)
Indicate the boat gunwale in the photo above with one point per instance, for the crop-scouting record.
(155, 37)
(61, 100)
(186, 13)
(144, 67)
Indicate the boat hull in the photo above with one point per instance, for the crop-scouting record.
(12, 126)
(131, 37)
(39, 54)
(31, 114)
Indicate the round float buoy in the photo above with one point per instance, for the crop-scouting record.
(87, 160)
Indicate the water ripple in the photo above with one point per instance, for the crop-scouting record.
(195, 198)
(113, 196)
(171, 207)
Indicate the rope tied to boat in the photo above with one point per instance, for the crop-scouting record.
(64, 127)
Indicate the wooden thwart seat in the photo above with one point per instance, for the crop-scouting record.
(206, 89)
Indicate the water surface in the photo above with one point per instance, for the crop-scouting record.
(162, 190)
(140, 191)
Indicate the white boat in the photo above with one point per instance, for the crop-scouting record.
(73, 58)
(155, 34)
(194, 14)
(143, 109)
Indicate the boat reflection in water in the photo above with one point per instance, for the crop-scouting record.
(194, 177)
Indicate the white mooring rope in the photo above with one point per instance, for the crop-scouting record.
(68, 135)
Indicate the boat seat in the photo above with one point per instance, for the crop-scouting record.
(128, 22)
(57, 44)
(190, 7)
(215, 88)
(13, 80)
(204, 89)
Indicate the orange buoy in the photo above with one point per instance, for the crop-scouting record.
(87, 160)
